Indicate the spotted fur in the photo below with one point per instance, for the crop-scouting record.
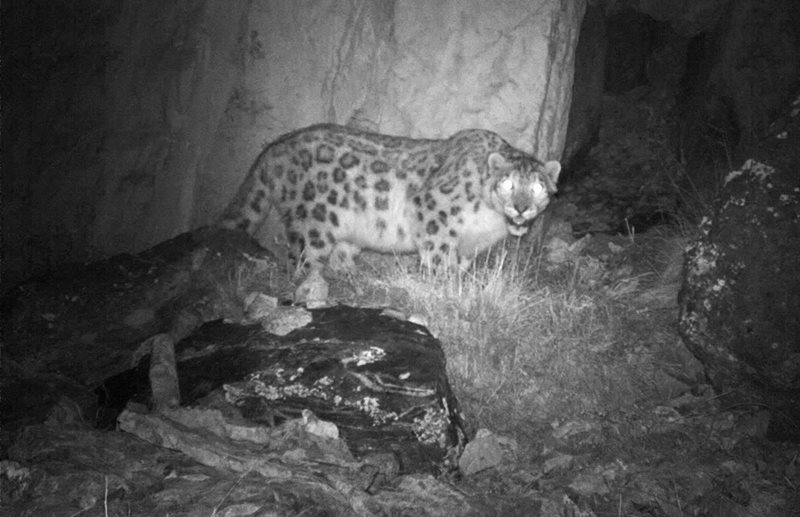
(339, 190)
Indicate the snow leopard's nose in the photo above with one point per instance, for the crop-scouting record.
(515, 214)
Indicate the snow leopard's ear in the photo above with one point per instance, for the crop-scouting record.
(498, 163)
(550, 171)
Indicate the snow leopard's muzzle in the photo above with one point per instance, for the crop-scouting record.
(518, 223)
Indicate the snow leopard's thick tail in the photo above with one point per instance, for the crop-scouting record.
(250, 205)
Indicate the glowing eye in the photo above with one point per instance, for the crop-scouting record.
(537, 189)
(507, 184)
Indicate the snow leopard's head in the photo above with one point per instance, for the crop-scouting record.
(522, 186)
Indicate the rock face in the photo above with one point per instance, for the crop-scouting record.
(192, 91)
(740, 300)
(169, 87)
(740, 72)
(718, 71)
(412, 68)
(587, 92)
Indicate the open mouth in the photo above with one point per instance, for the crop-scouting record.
(515, 228)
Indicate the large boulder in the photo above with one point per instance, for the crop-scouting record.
(380, 381)
(740, 300)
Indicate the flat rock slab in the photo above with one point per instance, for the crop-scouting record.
(67, 471)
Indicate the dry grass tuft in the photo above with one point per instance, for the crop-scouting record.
(522, 343)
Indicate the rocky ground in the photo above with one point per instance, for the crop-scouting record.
(670, 448)
(633, 428)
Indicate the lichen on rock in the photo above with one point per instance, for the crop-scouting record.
(740, 300)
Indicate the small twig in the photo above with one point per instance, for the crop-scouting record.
(228, 493)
